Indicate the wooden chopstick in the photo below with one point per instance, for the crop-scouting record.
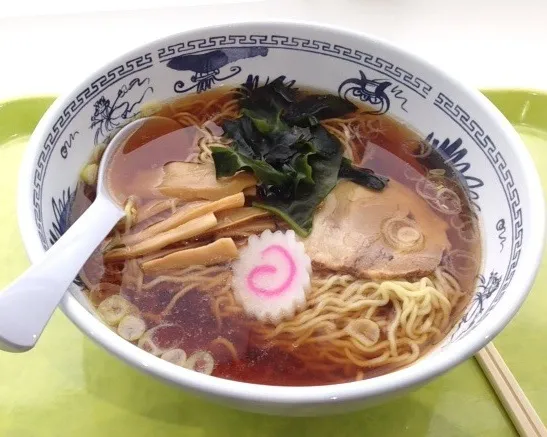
(518, 407)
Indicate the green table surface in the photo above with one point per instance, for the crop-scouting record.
(68, 386)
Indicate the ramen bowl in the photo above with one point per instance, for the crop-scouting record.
(461, 124)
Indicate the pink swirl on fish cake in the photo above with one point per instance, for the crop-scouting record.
(269, 269)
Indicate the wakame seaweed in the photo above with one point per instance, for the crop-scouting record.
(362, 176)
(297, 162)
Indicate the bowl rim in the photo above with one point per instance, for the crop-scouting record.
(410, 376)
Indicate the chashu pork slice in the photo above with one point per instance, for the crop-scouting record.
(347, 235)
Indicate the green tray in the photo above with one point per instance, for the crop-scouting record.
(67, 386)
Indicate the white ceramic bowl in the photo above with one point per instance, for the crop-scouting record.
(458, 120)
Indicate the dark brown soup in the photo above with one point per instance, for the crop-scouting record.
(282, 237)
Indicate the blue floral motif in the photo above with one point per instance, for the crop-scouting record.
(207, 66)
(369, 91)
(475, 313)
(110, 115)
(63, 122)
(61, 219)
(61, 212)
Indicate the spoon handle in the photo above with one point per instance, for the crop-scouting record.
(27, 304)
